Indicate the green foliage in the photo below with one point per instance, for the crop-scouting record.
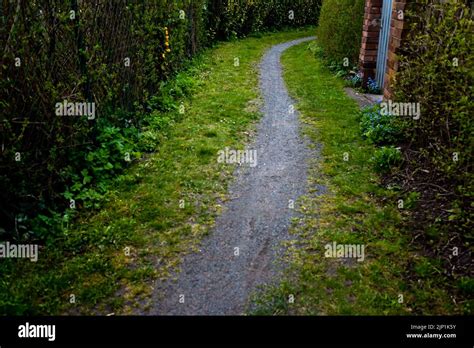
(466, 285)
(426, 268)
(231, 19)
(436, 70)
(166, 98)
(340, 30)
(411, 200)
(385, 158)
(377, 127)
(114, 54)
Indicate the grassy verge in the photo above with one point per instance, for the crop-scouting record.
(159, 210)
(393, 278)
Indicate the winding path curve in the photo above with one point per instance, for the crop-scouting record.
(256, 219)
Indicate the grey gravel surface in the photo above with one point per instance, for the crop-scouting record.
(217, 281)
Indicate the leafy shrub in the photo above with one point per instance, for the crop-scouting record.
(435, 70)
(386, 157)
(171, 91)
(379, 128)
(340, 30)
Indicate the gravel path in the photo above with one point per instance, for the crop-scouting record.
(217, 281)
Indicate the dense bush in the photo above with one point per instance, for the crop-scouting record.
(436, 70)
(118, 55)
(231, 19)
(340, 30)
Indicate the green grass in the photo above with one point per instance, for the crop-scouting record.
(109, 259)
(355, 210)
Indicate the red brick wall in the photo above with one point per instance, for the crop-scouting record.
(397, 33)
(370, 39)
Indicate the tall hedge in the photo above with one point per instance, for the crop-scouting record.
(112, 53)
(340, 30)
(436, 70)
(115, 53)
(237, 18)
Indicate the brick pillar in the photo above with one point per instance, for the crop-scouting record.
(398, 30)
(370, 39)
